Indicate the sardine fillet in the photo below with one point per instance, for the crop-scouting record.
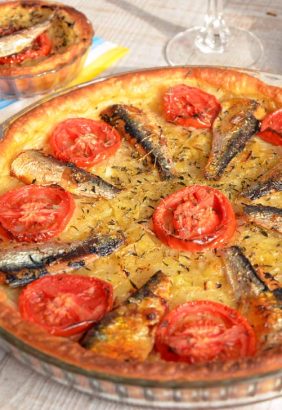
(268, 217)
(16, 42)
(242, 276)
(235, 125)
(33, 167)
(23, 263)
(269, 182)
(146, 137)
(127, 333)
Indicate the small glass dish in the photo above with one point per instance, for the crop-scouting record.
(29, 85)
(71, 34)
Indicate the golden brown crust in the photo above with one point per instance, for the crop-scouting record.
(228, 80)
(82, 28)
(69, 352)
(237, 82)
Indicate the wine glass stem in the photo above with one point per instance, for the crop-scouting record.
(213, 36)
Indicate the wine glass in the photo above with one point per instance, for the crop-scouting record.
(214, 43)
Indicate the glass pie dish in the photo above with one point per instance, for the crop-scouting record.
(206, 393)
(70, 34)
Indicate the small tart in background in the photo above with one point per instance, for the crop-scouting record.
(69, 37)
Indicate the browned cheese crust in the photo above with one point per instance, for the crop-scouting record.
(88, 102)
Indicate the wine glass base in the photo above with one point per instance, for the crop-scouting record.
(244, 49)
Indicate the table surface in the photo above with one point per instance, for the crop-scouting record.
(144, 26)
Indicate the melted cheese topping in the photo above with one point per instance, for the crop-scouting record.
(194, 275)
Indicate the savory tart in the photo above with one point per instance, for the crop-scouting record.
(37, 37)
(141, 226)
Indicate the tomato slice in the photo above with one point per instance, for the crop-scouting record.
(40, 47)
(190, 106)
(65, 305)
(4, 234)
(33, 213)
(194, 218)
(202, 331)
(84, 142)
(271, 128)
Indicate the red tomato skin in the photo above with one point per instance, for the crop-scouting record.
(4, 234)
(17, 197)
(67, 134)
(65, 285)
(41, 47)
(168, 328)
(271, 128)
(217, 239)
(190, 106)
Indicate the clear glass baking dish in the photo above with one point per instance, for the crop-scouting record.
(150, 393)
(29, 85)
